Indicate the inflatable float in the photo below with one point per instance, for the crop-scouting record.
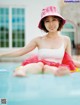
(67, 61)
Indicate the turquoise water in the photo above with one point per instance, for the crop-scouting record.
(39, 89)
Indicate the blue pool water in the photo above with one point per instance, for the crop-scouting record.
(38, 89)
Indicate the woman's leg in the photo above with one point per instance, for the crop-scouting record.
(50, 69)
(56, 71)
(32, 68)
(63, 70)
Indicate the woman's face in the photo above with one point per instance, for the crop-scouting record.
(51, 23)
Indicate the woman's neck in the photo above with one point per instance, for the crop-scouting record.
(53, 35)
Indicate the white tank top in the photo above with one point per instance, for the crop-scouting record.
(54, 55)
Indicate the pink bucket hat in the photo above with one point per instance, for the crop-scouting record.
(50, 11)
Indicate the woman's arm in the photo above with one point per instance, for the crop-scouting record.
(77, 63)
(68, 45)
(32, 45)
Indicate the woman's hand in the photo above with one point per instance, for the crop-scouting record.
(77, 63)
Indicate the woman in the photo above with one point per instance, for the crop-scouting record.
(51, 47)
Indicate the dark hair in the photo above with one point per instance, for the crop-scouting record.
(61, 23)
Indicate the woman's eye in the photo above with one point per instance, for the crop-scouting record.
(54, 19)
(47, 21)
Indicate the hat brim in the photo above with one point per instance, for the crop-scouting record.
(56, 14)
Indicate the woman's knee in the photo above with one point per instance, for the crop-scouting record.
(47, 69)
(40, 64)
(34, 67)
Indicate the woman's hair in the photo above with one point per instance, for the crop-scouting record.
(60, 24)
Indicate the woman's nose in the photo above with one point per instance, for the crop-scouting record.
(51, 23)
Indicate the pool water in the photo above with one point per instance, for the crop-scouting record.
(38, 89)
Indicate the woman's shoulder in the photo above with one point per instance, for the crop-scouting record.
(39, 38)
(66, 38)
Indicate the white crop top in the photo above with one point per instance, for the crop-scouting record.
(54, 55)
